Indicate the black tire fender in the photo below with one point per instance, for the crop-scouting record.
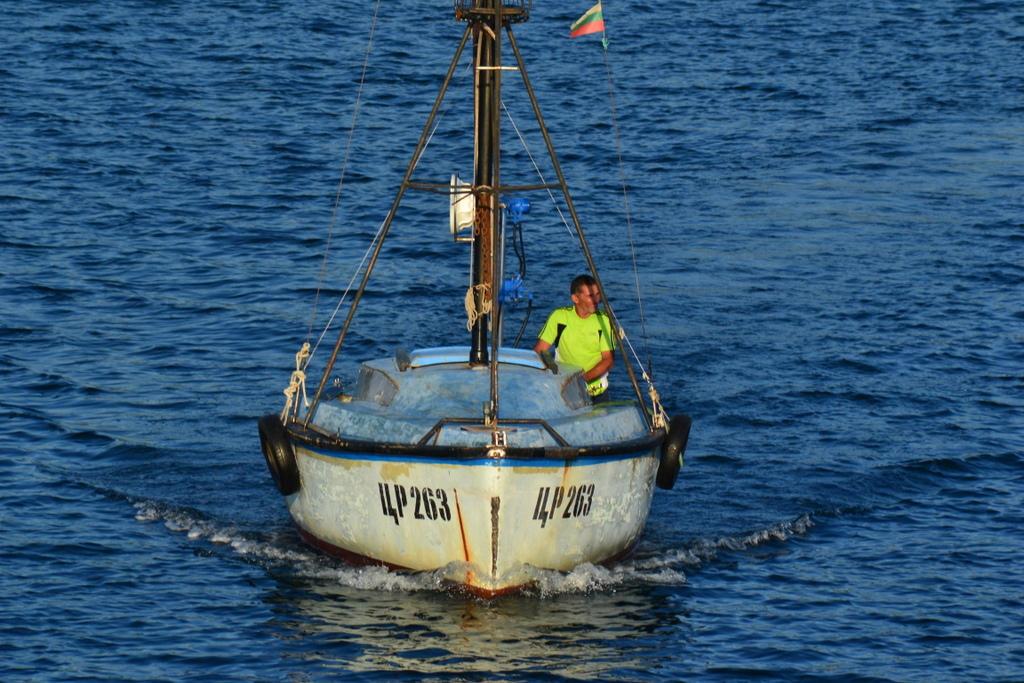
(672, 451)
(278, 452)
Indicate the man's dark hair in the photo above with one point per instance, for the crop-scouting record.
(579, 281)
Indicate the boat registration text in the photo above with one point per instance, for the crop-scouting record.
(431, 504)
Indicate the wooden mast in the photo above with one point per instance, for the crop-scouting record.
(486, 17)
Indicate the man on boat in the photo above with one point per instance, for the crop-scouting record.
(582, 336)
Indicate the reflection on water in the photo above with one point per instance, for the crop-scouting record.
(609, 623)
(423, 631)
(616, 623)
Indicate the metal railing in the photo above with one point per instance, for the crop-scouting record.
(514, 11)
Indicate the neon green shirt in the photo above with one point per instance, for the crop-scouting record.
(580, 341)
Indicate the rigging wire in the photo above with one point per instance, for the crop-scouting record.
(629, 222)
(540, 175)
(337, 203)
(518, 243)
(440, 118)
(344, 295)
(341, 181)
(625, 196)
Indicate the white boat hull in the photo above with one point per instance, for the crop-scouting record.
(486, 522)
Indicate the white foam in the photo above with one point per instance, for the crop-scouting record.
(665, 567)
(374, 578)
(196, 528)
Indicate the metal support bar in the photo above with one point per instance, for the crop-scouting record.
(445, 421)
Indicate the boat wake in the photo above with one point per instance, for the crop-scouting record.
(281, 552)
(263, 547)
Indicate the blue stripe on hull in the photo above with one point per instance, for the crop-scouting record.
(478, 462)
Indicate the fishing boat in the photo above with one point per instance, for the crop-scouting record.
(483, 463)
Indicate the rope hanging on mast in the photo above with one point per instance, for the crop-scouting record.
(473, 312)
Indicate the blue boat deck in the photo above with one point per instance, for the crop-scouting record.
(434, 396)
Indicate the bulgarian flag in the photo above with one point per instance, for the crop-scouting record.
(591, 22)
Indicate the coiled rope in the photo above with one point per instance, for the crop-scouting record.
(297, 383)
(472, 312)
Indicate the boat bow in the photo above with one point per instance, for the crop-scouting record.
(483, 463)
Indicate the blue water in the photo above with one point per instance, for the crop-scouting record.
(827, 204)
